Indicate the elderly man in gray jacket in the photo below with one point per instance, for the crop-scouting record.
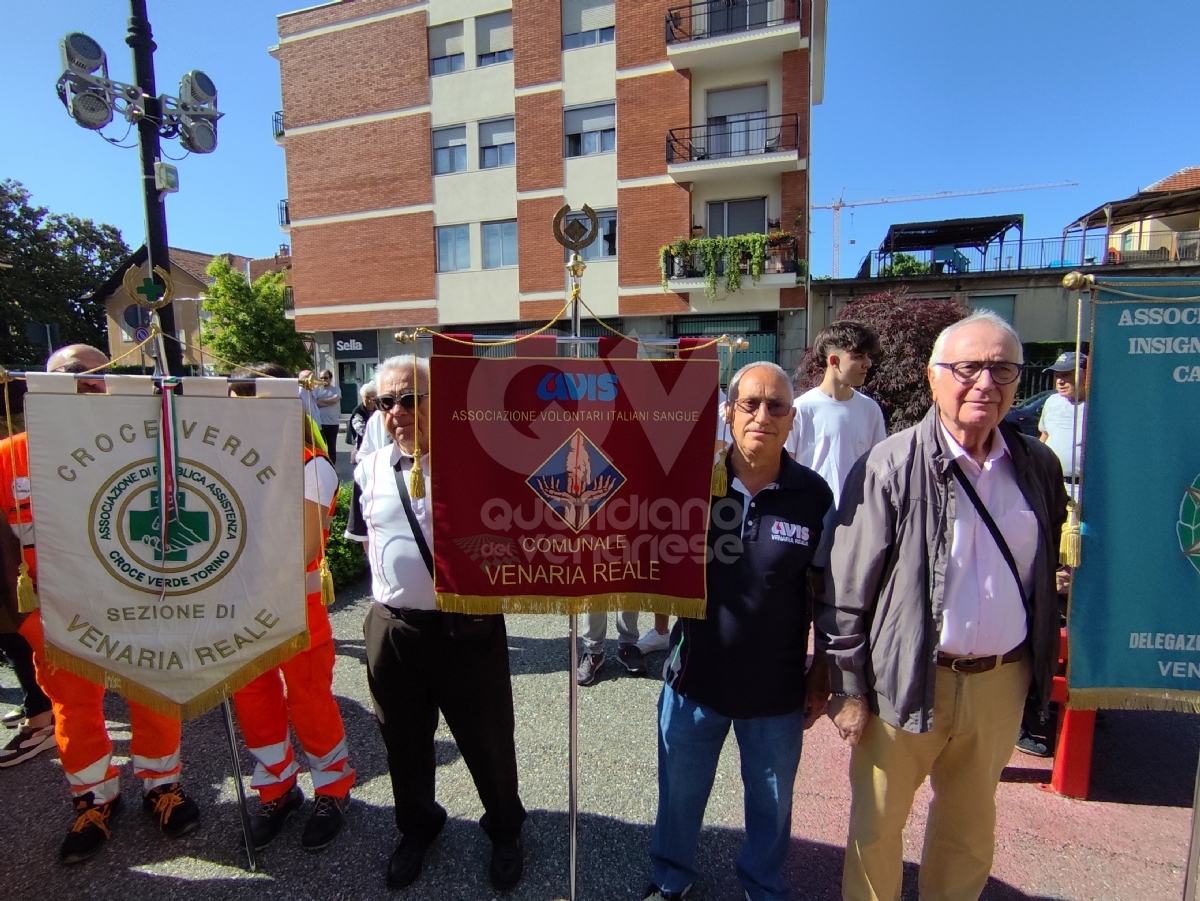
(942, 608)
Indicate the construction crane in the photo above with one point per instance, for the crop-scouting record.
(839, 204)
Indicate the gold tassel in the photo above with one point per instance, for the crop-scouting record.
(327, 595)
(1070, 548)
(416, 480)
(720, 478)
(27, 599)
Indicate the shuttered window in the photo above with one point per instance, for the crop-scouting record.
(587, 22)
(450, 150)
(590, 129)
(737, 101)
(727, 218)
(446, 48)
(497, 143)
(493, 38)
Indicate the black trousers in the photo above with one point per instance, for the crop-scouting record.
(414, 670)
(330, 433)
(20, 655)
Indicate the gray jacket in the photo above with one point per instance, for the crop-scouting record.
(882, 614)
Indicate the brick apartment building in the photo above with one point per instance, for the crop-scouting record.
(429, 145)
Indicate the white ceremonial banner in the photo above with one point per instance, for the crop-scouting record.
(228, 601)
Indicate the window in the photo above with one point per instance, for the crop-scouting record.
(737, 121)
(446, 48)
(453, 248)
(587, 22)
(499, 244)
(450, 150)
(727, 218)
(493, 38)
(497, 143)
(1003, 305)
(592, 129)
(605, 245)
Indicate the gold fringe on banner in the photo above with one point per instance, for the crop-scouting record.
(720, 478)
(1133, 699)
(327, 594)
(159, 703)
(691, 608)
(1070, 547)
(27, 599)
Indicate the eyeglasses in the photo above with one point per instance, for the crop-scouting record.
(969, 371)
(750, 405)
(385, 402)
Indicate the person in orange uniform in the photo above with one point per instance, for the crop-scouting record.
(262, 709)
(84, 747)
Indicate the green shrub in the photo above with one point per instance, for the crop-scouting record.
(347, 561)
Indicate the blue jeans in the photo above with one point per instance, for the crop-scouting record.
(690, 737)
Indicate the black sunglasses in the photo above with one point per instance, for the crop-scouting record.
(385, 402)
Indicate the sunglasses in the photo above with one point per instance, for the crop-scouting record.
(385, 402)
(969, 371)
(750, 405)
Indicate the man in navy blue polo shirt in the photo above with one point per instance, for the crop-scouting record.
(744, 663)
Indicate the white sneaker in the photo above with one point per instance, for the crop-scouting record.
(653, 641)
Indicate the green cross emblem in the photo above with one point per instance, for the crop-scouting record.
(191, 528)
(151, 290)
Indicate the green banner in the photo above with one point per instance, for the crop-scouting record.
(1135, 603)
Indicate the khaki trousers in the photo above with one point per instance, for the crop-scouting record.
(976, 719)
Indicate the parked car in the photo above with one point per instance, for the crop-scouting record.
(1027, 413)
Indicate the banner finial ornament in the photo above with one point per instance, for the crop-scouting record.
(576, 235)
(145, 292)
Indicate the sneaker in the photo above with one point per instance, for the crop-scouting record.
(507, 864)
(654, 641)
(92, 828)
(589, 668)
(631, 658)
(28, 742)
(654, 893)
(325, 822)
(1030, 744)
(13, 718)
(268, 822)
(177, 813)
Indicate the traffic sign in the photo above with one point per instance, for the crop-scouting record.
(141, 333)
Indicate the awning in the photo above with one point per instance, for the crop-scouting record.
(1143, 205)
(977, 232)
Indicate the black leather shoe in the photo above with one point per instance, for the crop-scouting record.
(92, 827)
(405, 865)
(268, 822)
(177, 813)
(325, 822)
(507, 865)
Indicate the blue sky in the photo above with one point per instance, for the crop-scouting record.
(921, 96)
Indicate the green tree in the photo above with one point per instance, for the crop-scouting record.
(57, 262)
(903, 264)
(247, 324)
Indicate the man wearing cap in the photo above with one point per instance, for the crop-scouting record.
(1061, 424)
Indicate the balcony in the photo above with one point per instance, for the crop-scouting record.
(1070, 252)
(289, 302)
(277, 125)
(285, 215)
(718, 33)
(704, 264)
(758, 145)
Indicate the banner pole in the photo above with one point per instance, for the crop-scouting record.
(1192, 881)
(227, 719)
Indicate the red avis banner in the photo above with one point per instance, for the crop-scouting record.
(562, 485)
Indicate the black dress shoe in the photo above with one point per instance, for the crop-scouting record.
(266, 825)
(507, 865)
(405, 865)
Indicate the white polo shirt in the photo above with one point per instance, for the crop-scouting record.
(399, 577)
(983, 613)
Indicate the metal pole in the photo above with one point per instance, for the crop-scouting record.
(141, 40)
(573, 691)
(49, 342)
(227, 719)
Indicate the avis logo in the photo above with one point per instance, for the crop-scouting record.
(789, 532)
(578, 386)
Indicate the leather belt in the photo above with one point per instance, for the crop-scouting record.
(972, 665)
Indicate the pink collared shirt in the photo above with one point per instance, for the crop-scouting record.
(983, 613)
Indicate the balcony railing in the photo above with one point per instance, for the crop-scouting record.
(285, 214)
(742, 137)
(1036, 253)
(729, 260)
(289, 299)
(714, 18)
(277, 124)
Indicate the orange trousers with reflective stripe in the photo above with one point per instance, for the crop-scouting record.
(80, 730)
(263, 710)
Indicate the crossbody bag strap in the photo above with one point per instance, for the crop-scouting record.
(992, 527)
(418, 535)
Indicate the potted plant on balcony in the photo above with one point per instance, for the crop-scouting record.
(781, 251)
(674, 260)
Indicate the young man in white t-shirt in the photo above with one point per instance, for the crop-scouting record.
(1061, 423)
(836, 424)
